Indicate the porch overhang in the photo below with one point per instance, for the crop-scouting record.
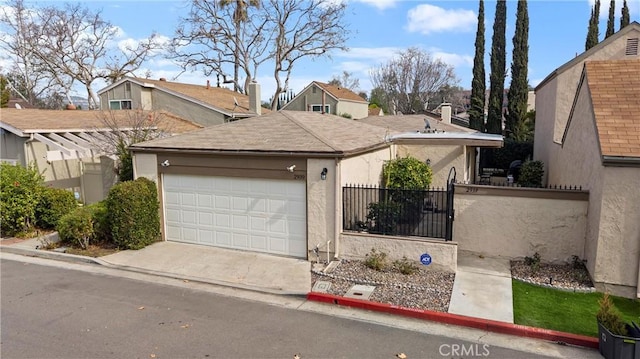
(450, 138)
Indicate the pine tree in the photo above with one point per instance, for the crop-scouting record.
(610, 23)
(519, 89)
(624, 19)
(478, 86)
(498, 55)
(593, 33)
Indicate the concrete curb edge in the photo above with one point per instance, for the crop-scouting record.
(461, 320)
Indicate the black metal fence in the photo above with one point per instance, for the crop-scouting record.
(517, 185)
(402, 212)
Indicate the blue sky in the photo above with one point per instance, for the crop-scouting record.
(380, 28)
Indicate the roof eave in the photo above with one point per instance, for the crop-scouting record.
(621, 161)
(14, 130)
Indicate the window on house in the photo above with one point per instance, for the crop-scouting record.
(318, 108)
(313, 89)
(632, 47)
(127, 89)
(120, 105)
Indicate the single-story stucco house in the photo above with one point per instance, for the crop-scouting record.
(269, 184)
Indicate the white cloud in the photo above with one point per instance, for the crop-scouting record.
(455, 60)
(427, 19)
(379, 54)
(380, 4)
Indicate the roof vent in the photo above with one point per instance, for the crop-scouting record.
(163, 79)
(632, 47)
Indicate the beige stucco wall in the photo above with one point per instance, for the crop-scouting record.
(618, 251)
(365, 169)
(509, 222)
(555, 99)
(442, 157)
(444, 254)
(322, 205)
(145, 165)
(357, 110)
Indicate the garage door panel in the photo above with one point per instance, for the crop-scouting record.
(244, 213)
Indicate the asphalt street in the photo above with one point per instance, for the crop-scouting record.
(54, 312)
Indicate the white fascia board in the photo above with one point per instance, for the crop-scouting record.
(449, 136)
(53, 144)
(15, 131)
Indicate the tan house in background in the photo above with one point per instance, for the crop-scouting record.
(65, 146)
(325, 98)
(555, 95)
(600, 151)
(204, 104)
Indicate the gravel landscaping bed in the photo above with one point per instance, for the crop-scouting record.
(569, 277)
(424, 289)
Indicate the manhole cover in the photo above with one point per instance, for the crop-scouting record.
(360, 291)
(321, 287)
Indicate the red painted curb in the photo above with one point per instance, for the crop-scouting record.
(447, 318)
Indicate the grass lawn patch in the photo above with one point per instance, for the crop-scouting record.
(564, 311)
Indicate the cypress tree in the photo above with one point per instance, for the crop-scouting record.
(612, 16)
(498, 55)
(593, 33)
(519, 89)
(624, 19)
(478, 86)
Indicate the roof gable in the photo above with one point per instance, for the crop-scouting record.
(615, 95)
(287, 132)
(218, 98)
(632, 27)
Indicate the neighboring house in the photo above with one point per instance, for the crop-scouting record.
(435, 140)
(269, 184)
(600, 151)
(376, 111)
(325, 98)
(65, 146)
(554, 96)
(204, 104)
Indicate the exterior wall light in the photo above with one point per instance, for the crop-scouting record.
(428, 162)
(323, 174)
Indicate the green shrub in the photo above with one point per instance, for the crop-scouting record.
(511, 151)
(383, 217)
(405, 266)
(531, 174)
(101, 225)
(20, 189)
(376, 260)
(407, 173)
(54, 203)
(77, 227)
(133, 212)
(533, 262)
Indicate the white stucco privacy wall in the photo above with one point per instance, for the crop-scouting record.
(322, 206)
(364, 169)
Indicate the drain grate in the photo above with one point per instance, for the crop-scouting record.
(321, 287)
(360, 291)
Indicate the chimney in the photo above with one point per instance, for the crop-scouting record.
(445, 112)
(254, 98)
(208, 85)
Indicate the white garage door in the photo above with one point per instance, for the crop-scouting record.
(262, 215)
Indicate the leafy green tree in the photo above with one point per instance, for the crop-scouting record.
(593, 33)
(379, 98)
(519, 89)
(624, 19)
(20, 189)
(610, 23)
(5, 93)
(498, 59)
(478, 85)
(525, 129)
(407, 173)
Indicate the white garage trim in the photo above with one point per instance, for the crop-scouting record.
(254, 214)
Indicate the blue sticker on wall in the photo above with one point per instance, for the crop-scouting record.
(425, 259)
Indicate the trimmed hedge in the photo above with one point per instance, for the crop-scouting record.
(101, 225)
(531, 174)
(20, 189)
(77, 227)
(133, 212)
(54, 203)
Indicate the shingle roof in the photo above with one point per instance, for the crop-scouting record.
(291, 132)
(341, 93)
(412, 123)
(215, 96)
(34, 120)
(615, 94)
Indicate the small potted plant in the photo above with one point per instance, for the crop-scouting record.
(617, 339)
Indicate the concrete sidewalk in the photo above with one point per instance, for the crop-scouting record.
(232, 268)
(482, 288)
